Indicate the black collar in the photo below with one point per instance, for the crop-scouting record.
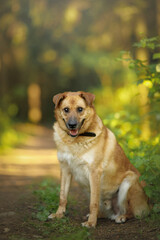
(88, 134)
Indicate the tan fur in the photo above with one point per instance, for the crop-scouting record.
(98, 163)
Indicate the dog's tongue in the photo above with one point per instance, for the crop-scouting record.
(74, 132)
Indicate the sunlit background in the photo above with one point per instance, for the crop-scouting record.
(49, 46)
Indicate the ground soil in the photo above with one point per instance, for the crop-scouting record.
(28, 164)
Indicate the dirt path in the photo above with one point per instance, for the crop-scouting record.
(21, 167)
(28, 164)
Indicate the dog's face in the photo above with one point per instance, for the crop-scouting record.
(74, 111)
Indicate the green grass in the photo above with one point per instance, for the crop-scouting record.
(48, 199)
(47, 202)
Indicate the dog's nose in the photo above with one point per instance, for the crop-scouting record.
(72, 123)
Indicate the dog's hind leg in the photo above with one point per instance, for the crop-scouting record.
(122, 200)
(138, 201)
(132, 200)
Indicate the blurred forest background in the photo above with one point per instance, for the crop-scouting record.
(110, 48)
(50, 46)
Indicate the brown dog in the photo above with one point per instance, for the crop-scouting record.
(89, 151)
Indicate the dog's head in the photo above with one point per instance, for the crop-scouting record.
(74, 111)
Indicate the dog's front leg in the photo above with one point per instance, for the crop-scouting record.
(65, 185)
(94, 180)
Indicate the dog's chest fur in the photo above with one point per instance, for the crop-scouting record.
(78, 157)
(78, 166)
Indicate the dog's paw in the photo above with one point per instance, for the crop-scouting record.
(88, 224)
(56, 215)
(120, 219)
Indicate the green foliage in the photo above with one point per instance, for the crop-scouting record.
(147, 159)
(151, 43)
(48, 200)
(9, 137)
(127, 124)
(48, 194)
(148, 73)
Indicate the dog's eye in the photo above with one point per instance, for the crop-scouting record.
(79, 109)
(66, 110)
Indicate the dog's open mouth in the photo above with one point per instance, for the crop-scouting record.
(73, 133)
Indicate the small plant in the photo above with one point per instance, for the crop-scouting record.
(148, 74)
(149, 71)
(48, 196)
(48, 200)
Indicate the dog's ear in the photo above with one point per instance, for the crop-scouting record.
(58, 98)
(88, 97)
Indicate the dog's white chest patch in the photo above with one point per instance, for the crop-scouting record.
(79, 166)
